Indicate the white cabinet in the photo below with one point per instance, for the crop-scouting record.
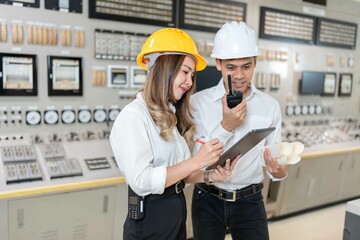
(351, 183)
(87, 215)
(311, 183)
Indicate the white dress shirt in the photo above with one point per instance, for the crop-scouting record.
(263, 111)
(141, 154)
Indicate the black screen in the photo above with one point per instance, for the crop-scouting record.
(319, 2)
(207, 78)
(312, 83)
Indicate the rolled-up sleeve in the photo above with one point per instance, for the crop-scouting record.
(132, 148)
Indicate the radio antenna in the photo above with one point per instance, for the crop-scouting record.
(229, 85)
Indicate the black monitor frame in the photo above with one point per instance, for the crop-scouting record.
(33, 4)
(56, 91)
(32, 78)
(342, 91)
(311, 83)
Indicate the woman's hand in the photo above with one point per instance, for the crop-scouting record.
(220, 174)
(208, 153)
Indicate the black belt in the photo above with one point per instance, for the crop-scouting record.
(174, 189)
(229, 195)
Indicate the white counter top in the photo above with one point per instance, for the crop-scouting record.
(353, 207)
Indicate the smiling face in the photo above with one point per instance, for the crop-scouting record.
(184, 79)
(241, 71)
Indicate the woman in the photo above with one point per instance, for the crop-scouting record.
(152, 135)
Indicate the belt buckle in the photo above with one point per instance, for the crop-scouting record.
(254, 189)
(233, 199)
(178, 188)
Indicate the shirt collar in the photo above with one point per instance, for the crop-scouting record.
(253, 91)
(219, 91)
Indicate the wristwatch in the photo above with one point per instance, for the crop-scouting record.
(206, 178)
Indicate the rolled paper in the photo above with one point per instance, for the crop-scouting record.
(297, 148)
(283, 160)
(293, 159)
(286, 148)
(286, 153)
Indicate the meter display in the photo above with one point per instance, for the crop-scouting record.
(33, 117)
(64, 76)
(68, 116)
(84, 116)
(51, 117)
(18, 75)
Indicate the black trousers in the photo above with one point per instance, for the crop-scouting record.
(245, 218)
(165, 218)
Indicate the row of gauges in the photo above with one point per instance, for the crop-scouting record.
(68, 116)
(304, 110)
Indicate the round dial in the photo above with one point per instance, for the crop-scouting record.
(297, 110)
(84, 116)
(289, 110)
(113, 114)
(33, 117)
(51, 117)
(318, 109)
(100, 115)
(304, 110)
(68, 116)
(351, 62)
(311, 109)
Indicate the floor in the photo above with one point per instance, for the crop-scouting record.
(323, 224)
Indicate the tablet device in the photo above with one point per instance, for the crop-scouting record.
(245, 144)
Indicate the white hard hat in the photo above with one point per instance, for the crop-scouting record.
(235, 40)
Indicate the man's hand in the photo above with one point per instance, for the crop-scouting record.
(272, 165)
(233, 117)
(220, 174)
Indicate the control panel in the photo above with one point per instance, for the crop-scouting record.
(326, 132)
(43, 159)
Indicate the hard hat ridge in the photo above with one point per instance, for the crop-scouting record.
(235, 40)
(169, 41)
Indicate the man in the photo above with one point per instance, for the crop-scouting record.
(235, 204)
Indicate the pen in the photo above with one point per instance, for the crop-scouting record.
(199, 141)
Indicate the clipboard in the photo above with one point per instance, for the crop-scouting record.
(241, 147)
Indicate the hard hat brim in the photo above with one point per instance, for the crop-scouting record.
(199, 65)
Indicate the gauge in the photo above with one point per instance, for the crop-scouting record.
(311, 109)
(100, 115)
(297, 110)
(84, 116)
(113, 114)
(33, 117)
(318, 109)
(351, 62)
(51, 117)
(304, 110)
(68, 116)
(289, 110)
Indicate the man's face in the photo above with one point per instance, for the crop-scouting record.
(241, 71)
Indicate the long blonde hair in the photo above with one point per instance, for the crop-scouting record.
(158, 93)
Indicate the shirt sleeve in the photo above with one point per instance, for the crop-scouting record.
(132, 148)
(274, 178)
(275, 137)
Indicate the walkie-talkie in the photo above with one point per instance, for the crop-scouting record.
(136, 209)
(233, 99)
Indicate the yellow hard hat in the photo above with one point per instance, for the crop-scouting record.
(169, 41)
